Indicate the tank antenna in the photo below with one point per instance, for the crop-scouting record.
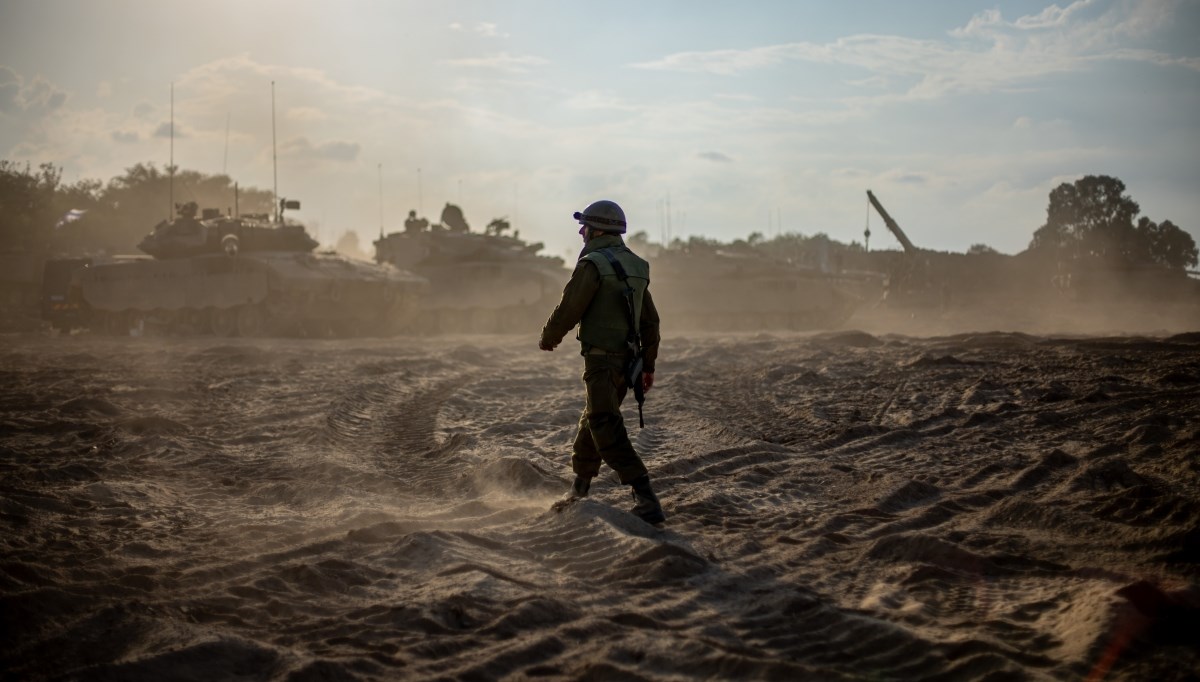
(274, 159)
(171, 170)
(225, 163)
(420, 199)
(381, 201)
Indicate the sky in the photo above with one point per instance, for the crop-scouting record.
(700, 118)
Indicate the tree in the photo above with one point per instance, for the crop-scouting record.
(977, 249)
(1093, 219)
(1167, 244)
(33, 203)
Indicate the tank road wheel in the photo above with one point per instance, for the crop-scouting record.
(107, 322)
(250, 321)
(119, 323)
(223, 321)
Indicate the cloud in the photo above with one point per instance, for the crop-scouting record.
(718, 157)
(164, 131)
(306, 114)
(104, 89)
(592, 100)
(502, 62)
(301, 148)
(483, 28)
(989, 53)
(125, 137)
(37, 97)
(213, 84)
(905, 177)
(486, 29)
(735, 97)
(143, 109)
(10, 90)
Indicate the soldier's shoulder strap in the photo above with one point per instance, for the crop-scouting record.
(616, 264)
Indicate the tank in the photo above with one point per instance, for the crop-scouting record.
(479, 283)
(729, 291)
(245, 276)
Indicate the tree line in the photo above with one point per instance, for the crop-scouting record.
(42, 214)
(1091, 220)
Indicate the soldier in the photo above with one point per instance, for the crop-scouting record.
(414, 224)
(595, 299)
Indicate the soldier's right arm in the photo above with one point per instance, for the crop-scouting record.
(576, 298)
(648, 332)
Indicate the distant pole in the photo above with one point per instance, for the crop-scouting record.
(668, 216)
(274, 158)
(662, 236)
(381, 201)
(171, 170)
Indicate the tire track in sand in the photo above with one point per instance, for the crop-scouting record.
(391, 425)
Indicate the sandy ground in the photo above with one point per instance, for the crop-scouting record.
(982, 506)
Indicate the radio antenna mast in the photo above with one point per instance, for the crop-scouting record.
(171, 169)
(274, 159)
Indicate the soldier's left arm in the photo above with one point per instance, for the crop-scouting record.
(649, 332)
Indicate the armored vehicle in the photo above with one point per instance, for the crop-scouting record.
(244, 276)
(479, 283)
(730, 291)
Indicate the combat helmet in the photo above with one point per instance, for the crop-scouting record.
(603, 215)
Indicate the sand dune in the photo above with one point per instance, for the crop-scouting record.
(846, 505)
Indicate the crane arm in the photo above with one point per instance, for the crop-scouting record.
(891, 224)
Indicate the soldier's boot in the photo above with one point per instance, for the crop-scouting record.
(579, 489)
(645, 503)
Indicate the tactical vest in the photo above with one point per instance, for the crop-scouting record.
(605, 323)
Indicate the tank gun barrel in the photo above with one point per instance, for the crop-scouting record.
(892, 225)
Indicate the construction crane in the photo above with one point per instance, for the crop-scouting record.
(891, 224)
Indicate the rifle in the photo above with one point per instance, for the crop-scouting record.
(633, 368)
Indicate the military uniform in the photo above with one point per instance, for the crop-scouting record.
(594, 299)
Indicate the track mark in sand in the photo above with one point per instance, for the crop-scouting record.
(649, 442)
(393, 425)
(887, 404)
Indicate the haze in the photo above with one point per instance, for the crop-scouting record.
(729, 120)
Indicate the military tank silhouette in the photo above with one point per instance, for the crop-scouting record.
(245, 276)
(712, 289)
(479, 283)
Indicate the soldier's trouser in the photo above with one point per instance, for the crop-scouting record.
(601, 436)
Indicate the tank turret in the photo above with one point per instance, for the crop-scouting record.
(246, 276)
(478, 282)
(189, 236)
